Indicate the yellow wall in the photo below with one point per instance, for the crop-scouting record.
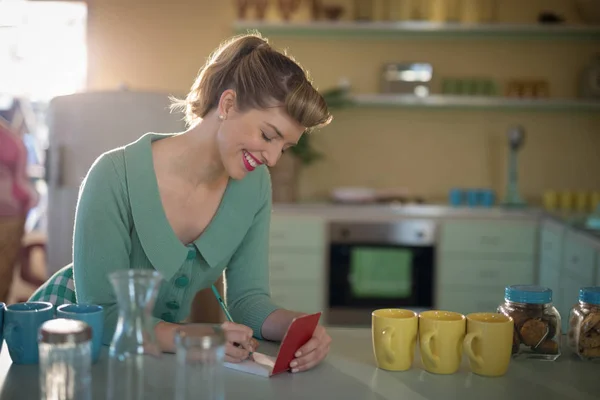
(160, 45)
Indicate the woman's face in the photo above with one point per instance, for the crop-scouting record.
(249, 139)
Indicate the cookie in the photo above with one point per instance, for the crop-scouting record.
(589, 340)
(533, 331)
(591, 352)
(592, 321)
(548, 347)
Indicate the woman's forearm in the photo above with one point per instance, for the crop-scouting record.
(277, 323)
(165, 333)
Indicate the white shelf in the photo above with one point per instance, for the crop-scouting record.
(474, 102)
(422, 28)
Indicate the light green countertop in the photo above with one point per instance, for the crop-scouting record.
(350, 373)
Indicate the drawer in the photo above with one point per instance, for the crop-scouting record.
(293, 267)
(467, 301)
(303, 298)
(488, 273)
(287, 231)
(579, 258)
(516, 237)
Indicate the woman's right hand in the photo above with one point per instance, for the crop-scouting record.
(239, 343)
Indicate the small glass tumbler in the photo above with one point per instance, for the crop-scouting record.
(200, 357)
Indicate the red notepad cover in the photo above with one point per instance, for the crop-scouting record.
(299, 332)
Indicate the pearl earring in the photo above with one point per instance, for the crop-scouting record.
(221, 117)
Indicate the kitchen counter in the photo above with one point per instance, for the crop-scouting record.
(349, 373)
(335, 212)
(384, 212)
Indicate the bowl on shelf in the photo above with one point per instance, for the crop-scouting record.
(333, 12)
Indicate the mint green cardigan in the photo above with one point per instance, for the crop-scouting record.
(120, 223)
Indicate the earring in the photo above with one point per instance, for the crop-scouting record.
(222, 117)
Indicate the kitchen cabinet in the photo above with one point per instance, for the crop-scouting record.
(598, 268)
(297, 249)
(477, 259)
(578, 270)
(511, 238)
(470, 299)
(552, 235)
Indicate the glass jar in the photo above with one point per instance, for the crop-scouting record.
(584, 325)
(65, 360)
(537, 322)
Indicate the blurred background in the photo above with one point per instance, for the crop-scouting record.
(432, 100)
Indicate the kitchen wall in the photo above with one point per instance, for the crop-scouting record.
(160, 45)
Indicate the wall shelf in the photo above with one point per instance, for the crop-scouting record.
(475, 103)
(412, 29)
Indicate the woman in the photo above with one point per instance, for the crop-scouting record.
(17, 195)
(195, 204)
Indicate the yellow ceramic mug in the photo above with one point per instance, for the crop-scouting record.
(441, 335)
(394, 338)
(488, 343)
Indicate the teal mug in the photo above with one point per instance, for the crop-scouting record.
(91, 314)
(21, 324)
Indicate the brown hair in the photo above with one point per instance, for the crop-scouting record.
(260, 76)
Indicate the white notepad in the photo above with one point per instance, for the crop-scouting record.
(261, 366)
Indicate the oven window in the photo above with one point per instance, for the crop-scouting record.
(378, 272)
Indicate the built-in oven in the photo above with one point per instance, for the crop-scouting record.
(388, 264)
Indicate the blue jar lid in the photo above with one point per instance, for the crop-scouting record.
(530, 294)
(590, 295)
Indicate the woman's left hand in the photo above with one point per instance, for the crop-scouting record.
(313, 352)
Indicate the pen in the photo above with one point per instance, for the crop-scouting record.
(223, 306)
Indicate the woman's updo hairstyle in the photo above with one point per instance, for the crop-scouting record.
(261, 76)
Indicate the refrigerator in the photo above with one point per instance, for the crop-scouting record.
(80, 128)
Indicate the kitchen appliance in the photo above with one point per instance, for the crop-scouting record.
(384, 264)
(516, 138)
(589, 85)
(407, 78)
(81, 127)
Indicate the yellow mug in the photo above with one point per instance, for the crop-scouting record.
(441, 335)
(488, 343)
(394, 334)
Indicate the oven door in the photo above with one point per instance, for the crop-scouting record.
(384, 270)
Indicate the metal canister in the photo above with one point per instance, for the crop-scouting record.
(65, 360)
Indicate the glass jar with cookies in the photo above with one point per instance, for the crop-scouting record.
(583, 336)
(536, 321)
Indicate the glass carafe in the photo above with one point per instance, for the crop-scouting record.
(134, 351)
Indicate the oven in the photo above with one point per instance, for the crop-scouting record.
(387, 264)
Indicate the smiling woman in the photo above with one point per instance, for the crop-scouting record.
(195, 204)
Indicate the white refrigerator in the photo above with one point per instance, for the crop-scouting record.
(80, 128)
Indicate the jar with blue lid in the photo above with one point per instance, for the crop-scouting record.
(537, 322)
(583, 336)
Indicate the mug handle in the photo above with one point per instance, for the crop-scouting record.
(386, 335)
(468, 344)
(426, 348)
